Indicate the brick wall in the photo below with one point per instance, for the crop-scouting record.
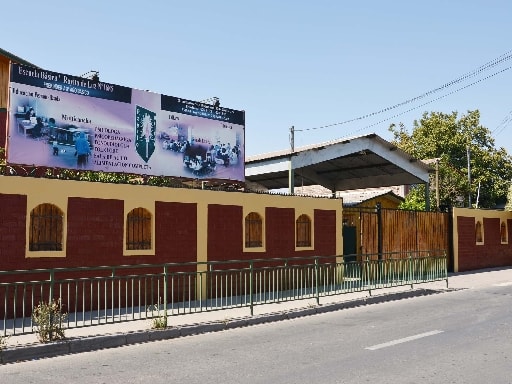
(175, 232)
(489, 254)
(325, 232)
(280, 232)
(95, 232)
(225, 237)
(187, 227)
(12, 231)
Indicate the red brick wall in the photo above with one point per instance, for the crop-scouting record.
(95, 232)
(280, 232)
(325, 232)
(494, 253)
(491, 253)
(175, 232)
(225, 237)
(509, 229)
(12, 231)
(466, 242)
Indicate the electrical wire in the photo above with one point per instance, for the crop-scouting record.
(487, 66)
(504, 123)
(434, 100)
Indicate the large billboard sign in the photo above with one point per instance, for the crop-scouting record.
(64, 121)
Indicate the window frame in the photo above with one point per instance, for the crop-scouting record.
(253, 225)
(503, 232)
(303, 232)
(146, 233)
(45, 225)
(479, 232)
(260, 244)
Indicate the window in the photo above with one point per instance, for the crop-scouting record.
(303, 225)
(138, 229)
(46, 226)
(503, 232)
(253, 230)
(478, 232)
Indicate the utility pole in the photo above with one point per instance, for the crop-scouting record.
(291, 178)
(437, 183)
(469, 175)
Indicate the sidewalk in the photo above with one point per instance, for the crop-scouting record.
(26, 347)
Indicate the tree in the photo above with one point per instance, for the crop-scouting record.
(508, 206)
(415, 199)
(452, 141)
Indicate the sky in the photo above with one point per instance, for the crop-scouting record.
(329, 68)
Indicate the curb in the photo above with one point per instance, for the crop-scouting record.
(93, 343)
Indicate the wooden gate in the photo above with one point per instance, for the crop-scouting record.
(380, 231)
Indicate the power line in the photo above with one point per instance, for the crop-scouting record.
(501, 126)
(489, 65)
(434, 100)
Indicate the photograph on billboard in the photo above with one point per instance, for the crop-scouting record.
(63, 121)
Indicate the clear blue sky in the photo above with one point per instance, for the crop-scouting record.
(291, 62)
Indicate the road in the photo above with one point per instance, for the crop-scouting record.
(454, 337)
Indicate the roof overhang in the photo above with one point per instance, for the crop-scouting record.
(15, 59)
(352, 163)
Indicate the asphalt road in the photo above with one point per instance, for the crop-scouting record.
(454, 337)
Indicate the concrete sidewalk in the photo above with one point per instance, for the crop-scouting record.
(26, 347)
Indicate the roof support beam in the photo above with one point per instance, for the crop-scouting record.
(291, 178)
(315, 178)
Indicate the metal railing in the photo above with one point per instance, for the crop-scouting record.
(110, 294)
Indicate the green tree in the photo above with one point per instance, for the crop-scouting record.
(415, 199)
(450, 139)
(508, 206)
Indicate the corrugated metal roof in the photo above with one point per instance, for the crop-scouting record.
(360, 162)
(14, 58)
(352, 197)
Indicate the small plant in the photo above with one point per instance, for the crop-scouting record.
(3, 342)
(49, 318)
(160, 320)
(226, 320)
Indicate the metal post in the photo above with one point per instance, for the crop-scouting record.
(437, 184)
(427, 196)
(165, 292)
(445, 268)
(316, 282)
(368, 274)
(251, 285)
(292, 138)
(378, 209)
(50, 305)
(291, 175)
(410, 270)
(469, 176)
(52, 282)
(112, 294)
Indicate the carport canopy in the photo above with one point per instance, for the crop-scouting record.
(359, 162)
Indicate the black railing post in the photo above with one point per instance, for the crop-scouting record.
(317, 293)
(165, 291)
(378, 210)
(50, 306)
(52, 284)
(251, 285)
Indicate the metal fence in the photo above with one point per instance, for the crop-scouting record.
(110, 294)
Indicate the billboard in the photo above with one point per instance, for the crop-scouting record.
(58, 120)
